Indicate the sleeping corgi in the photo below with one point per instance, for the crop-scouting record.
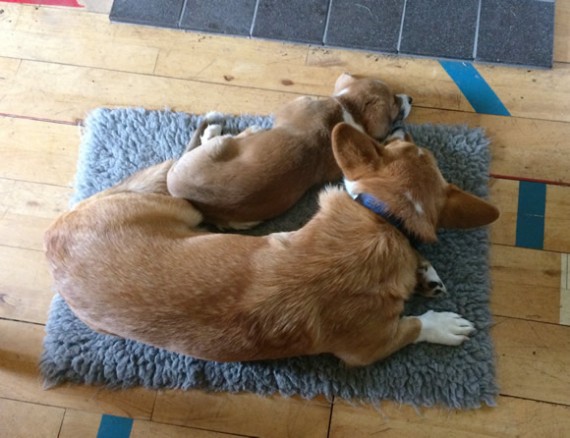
(133, 262)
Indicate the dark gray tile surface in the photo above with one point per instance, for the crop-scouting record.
(291, 20)
(165, 13)
(365, 24)
(516, 32)
(440, 28)
(233, 17)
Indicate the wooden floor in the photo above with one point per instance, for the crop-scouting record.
(58, 64)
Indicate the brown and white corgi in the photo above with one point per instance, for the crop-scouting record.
(239, 181)
(132, 262)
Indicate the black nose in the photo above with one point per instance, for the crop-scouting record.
(410, 100)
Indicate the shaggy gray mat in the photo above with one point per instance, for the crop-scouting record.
(118, 142)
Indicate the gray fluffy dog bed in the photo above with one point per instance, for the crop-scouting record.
(118, 142)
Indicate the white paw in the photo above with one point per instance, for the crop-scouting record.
(210, 132)
(445, 328)
(214, 117)
(429, 283)
(405, 106)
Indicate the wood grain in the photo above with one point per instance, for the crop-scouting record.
(511, 418)
(535, 94)
(20, 349)
(38, 151)
(522, 148)
(504, 194)
(25, 292)
(562, 31)
(526, 283)
(66, 93)
(79, 424)
(533, 360)
(27, 209)
(26, 420)
(557, 219)
(244, 414)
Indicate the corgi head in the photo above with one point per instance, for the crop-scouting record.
(406, 178)
(371, 103)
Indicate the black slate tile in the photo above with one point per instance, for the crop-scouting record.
(291, 20)
(516, 32)
(233, 17)
(163, 13)
(365, 24)
(440, 28)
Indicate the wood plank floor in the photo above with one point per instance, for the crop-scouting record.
(57, 64)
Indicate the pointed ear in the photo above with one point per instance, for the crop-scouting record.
(463, 210)
(343, 81)
(354, 151)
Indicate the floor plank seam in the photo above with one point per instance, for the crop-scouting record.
(3, 318)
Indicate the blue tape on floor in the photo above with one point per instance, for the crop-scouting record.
(530, 216)
(114, 427)
(475, 89)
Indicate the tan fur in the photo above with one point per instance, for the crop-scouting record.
(258, 175)
(132, 262)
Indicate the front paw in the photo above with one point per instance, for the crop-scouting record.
(428, 282)
(446, 328)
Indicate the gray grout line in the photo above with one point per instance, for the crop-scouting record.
(179, 22)
(327, 22)
(401, 27)
(254, 18)
(476, 41)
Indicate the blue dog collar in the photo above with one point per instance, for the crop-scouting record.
(381, 209)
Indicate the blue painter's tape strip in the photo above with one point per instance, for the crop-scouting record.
(530, 216)
(114, 427)
(475, 89)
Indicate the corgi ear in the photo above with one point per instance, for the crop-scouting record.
(463, 210)
(354, 151)
(343, 81)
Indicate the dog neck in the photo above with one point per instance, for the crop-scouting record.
(381, 209)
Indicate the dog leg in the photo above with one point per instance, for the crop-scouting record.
(429, 284)
(200, 133)
(149, 180)
(406, 332)
(251, 130)
(445, 328)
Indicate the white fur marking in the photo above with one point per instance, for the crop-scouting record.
(347, 117)
(241, 225)
(343, 91)
(214, 116)
(446, 328)
(430, 276)
(417, 205)
(406, 106)
(210, 132)
(397, 134)
(350, 186)
(420, 152)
